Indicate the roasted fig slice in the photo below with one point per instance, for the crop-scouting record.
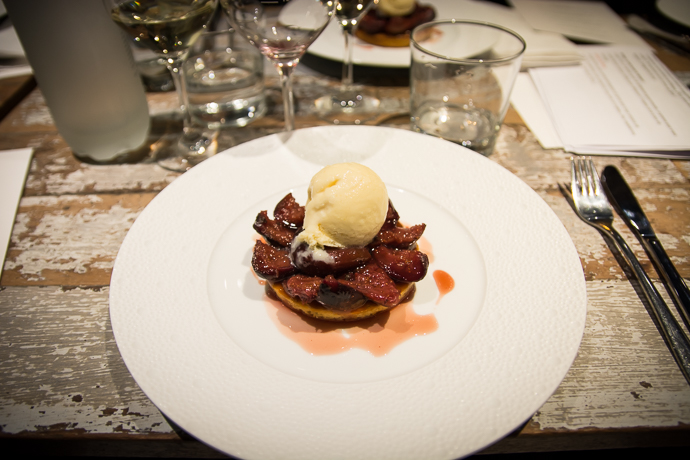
(373, 282)
(273, 231)
(339, 260)
(327, 292)
(271, 263)
(289, 212)
(399, 237)
(304, 288)
(336, 296)
(392, 217)
(402, 265)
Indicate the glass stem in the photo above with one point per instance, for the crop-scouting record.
(347, 79)
(175, 67)
(288, 96)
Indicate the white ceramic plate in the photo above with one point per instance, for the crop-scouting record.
(331, 44)
(200, 338)
(676, 10)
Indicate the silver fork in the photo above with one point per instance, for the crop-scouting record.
(593, 207)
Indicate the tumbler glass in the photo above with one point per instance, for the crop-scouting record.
(225, 81)
(461, 76)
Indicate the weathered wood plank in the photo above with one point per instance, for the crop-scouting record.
(60, 368)
(30, 115)
(13, 90)
(69, 240)
(92, 228)
(667, 209)
(624, 375)
(55, 171)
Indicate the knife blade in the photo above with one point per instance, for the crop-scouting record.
(630, 210)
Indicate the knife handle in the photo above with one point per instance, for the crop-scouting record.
(678, 288)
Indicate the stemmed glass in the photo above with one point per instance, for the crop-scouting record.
(169, 28)
(282, 30)
(349, 104)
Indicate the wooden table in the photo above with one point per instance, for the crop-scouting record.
(65, 390)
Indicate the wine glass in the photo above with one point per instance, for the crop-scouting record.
(282, 30)
(169, 28)
(349, 104)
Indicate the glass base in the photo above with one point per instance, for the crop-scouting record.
(347, 106)
(193, 146)
(476, 129)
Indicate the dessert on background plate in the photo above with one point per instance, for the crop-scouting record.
(344, 256)
(390, 22)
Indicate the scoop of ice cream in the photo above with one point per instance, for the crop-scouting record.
(346, 206)
(396, 7)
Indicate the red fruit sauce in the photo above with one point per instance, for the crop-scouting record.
(378, 335)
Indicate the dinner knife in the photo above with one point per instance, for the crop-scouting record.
(629, 209)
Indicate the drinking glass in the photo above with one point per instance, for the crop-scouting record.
(461, 76)
(169, 28)
(282, 30)
(225, 81)
(349, 104)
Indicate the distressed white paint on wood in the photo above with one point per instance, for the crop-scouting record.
(33, 112)
(595, 255)
(71, 234)
(683, 167)
(60, 368)
(624, 375)
(65, 179)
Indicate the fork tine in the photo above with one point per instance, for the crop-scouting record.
(595, 178)
(574, 178)
(587, 175)
(580, 176)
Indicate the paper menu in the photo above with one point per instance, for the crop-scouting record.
(621, 100)
(14, 165)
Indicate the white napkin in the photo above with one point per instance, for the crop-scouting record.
(14, 165)
(543, 48)
(588, 21)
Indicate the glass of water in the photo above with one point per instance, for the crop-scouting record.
(225, 81)
(461, 77)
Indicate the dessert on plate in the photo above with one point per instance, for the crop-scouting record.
(390, 22)
(344, 256)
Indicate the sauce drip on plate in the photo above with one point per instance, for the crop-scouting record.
(444, 282)
(378, 335)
